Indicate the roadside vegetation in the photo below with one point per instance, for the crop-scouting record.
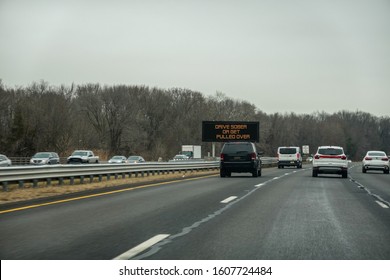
(154, 122)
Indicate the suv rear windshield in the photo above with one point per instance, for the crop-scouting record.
(237, 148)
(287, 151)
(330, 151)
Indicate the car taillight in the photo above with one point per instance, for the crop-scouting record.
(385, 159)
(368, 158)
(253, 156)
(222, 157)
(317, 156)
(343, 157)
(298, 155)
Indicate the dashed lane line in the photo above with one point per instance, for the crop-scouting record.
(230, 198)
(141, 247)
(381, 204)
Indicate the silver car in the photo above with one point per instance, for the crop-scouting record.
(45, 158)
(118, 159)
(135, 159)
(4, 161)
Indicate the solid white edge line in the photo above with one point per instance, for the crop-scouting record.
(141, 247)
(381, 204)
(227, 200)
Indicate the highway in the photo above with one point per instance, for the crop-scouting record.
(285, 214)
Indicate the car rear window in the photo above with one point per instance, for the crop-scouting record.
(376, 154)
(287, 151)
(330, 151)
(237, 148)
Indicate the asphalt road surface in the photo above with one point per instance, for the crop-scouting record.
(285, 214)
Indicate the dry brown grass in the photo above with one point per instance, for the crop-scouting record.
(28, 192)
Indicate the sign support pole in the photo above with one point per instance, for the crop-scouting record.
(213, 149)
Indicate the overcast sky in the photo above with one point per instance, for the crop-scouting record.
(280, 55)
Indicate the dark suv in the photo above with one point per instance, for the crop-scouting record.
(240, 157)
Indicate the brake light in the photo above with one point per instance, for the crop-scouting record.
(253, 156)
(385, 159)
(298, 155)
(222, 157)
(368, 158)
(343, 157)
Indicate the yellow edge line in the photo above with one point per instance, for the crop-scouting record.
(100, 194)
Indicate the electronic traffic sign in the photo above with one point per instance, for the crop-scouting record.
(230, 131)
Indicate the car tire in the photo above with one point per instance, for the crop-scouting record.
(222, 173)
(255, 173)
(315, 173)
(259, 173)
(386, 171)
(344, 174)
(364, 170)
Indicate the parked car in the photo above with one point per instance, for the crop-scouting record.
(135, 159)
(330, 159)
(289, 156)
(240, 157)
(375, 160)
(180, 157)
(4, 161)
(118, 159)
(45, 158)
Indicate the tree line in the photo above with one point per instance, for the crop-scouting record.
(154, 122)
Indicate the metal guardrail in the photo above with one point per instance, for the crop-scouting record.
(48, 173)
(35, 174)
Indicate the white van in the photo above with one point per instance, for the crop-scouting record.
(289, 156)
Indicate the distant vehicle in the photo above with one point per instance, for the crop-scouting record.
(45, 158)
(240, 157)
(375, 160)
(118, 159)
(330, 159)
(180, 157)
(4, 161)
(192, 151)
(135, 159)
(289, 156)
(83, 156)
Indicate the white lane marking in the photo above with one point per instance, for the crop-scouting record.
(227, 200)
(141, 247)
(260, 185)
(381, 204)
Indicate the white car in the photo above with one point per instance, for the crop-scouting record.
(376, 160)
(331, 160)
(180, 157)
